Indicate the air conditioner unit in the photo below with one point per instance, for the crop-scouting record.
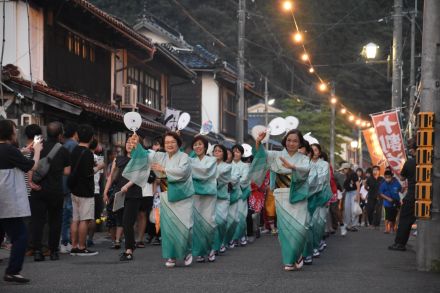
(129, 96)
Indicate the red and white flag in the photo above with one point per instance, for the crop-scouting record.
(389, 133)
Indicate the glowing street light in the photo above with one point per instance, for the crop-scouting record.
(305, 57)
(322, 87)
(297, 37)
(354, 144)
(287, 5)
(311, 70)
(369, 51)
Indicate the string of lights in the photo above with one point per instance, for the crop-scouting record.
(323, 87)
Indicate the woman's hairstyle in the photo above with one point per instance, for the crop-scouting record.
(318, 147)
(175, 136)
(202, 139)
(239, 147)
(224, 150)
(306, 145)
(324, 156)
(298, 133)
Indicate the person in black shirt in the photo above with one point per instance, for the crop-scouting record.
(14, 203)
(407, 217)
(83, 191)
(374, 201)
(47, 195)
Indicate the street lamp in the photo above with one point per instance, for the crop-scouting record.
(369, 51)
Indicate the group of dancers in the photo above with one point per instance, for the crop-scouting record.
(204, 198)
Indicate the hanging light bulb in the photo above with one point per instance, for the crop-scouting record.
(333, 100)
(322, 87)
(297, 37)
(311, 70)
(305, 57)
(343, 111)
(364, 124)
(351, 118)
(358, 122)
(287, 5)
(368, 124)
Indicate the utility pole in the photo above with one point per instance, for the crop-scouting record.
(332, 125)
(240, 66)
(428, 235)
(412, 73)
(396, 99)
(266, 113)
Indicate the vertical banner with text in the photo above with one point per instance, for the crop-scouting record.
(390, 138)
(374, 149)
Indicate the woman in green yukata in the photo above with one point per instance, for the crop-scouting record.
(234, 196)
(318, 196)
(320, 216)
(176, 204)
(292, 170)
(204, 175)
(222, 207)
(241, 170)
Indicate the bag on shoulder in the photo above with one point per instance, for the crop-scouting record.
(43, 166)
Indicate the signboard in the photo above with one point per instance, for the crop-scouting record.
(376, 154)
(390, 138)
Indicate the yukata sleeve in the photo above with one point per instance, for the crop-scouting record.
(138, 169)
(180, 171)
(260, 165)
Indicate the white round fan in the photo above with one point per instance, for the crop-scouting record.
(247, 150)
(132, 121)
(277, 126)
(310, 139)
(183, 121)
(206, 127)
(257, 129)
(291, 123)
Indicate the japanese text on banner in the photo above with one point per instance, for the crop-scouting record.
(390, 138)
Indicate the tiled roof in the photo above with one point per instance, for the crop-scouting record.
(197, 59)
(117, 24)
(101, 109)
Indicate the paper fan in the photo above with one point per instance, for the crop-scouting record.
(183, 121)
(277, 126)
(132, 121)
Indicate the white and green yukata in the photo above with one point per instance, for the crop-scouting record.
(204, 174)
(222, 207)
(291, 191)
(235, 195)
(242, 170)
(315, 188)
(176, 204)
(320, 210)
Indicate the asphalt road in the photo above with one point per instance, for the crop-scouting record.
(360, 262)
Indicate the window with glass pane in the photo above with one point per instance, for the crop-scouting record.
(148, 87)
